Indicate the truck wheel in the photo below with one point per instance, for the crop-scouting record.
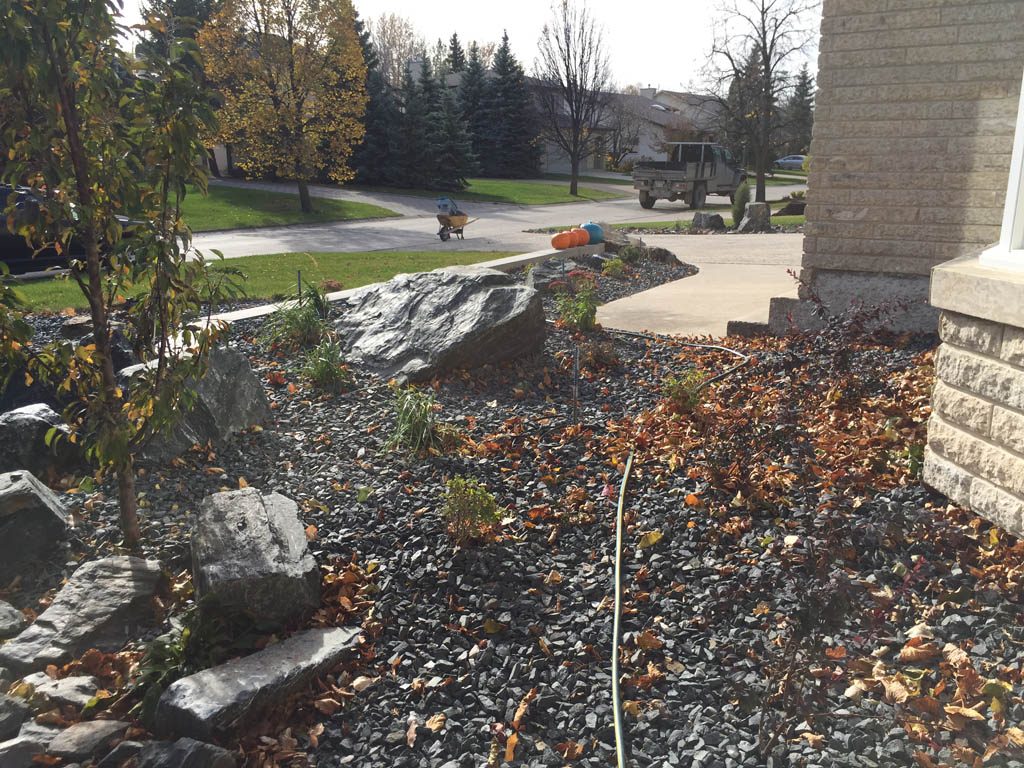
(646, 199)
(698, 196)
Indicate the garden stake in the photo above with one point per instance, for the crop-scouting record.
(298, 282)
(576, 386)
(620, 736)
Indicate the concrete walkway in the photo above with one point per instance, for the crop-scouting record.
(739, 274)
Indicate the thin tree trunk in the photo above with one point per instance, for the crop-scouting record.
(304, 200)
(574, 175)
(760, 190)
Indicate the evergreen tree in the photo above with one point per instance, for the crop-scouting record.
(439, 61)
(456, 56)
(185, 17)
(375, 161)
(798, 114)
(472, 101)
(511, 119)
(413, 150)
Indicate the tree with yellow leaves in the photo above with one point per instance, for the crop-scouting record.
(291, 79)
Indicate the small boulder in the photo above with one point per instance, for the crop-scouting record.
(542, 275)
(229, 398)
(12, 621)
(184, 753)
(220, 701)
(614, 239)
(32, 522)
(249, 552)
(756, 218)
(414, 327)
(97, 608)
(23, 442)
(76, 327)
(75, 691)
(660, 255)
(792, 208)
(708, 221)
(13, 712)
(87, 739)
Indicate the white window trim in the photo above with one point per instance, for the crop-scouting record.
(1008, 253)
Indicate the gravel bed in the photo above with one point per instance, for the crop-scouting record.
(711, 605)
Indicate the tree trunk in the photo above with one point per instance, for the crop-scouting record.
(760, 191)
(305, 202)
(574, 176)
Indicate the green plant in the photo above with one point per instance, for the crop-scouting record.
(805, 166)
(739, 202)
(297, 324)
(577, 301)
(683, 391)
(631, 254)
(417, 430)
(470, 510)
(797, 195)
(325, 367)
(614, 267)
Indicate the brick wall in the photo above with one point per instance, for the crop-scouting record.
(975, 452)
(913, 131)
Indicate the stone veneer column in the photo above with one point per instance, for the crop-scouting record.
(975, 451)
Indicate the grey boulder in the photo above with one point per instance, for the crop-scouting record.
(756, 218)
(12, 621)
(228, 399)
(97, 608)
(23, 442)
(249, 553)
(709, 221)
(75, 691)
(13, 712)
(218, 702)
(32, 522)
(416, 326)
(84, 740)
(541, 276)
(184, 753)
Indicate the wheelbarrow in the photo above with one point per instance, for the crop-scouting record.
(452, 220)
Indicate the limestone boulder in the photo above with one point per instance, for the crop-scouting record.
(23, 442)
(217, 702)
(416, 326)
(32, 522)
(228, 399)
(99, 607)
(249, 553)
(756, 218)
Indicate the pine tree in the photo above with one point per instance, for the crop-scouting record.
(510, 116)
(456, 56)
(456, 162)
(412, 168)
(798, 114)
(375, 161)
(471, 103)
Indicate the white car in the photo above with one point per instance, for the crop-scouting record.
(791, 162)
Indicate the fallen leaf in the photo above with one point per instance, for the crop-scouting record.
(970, 714)
(243, 483)
(927, 705)
(510, 747)
(693, 500)
(363, 682)
(895, 691)
(921, 630)
(410, 732)
(493, 627)
(327, 706)
(650, 538)
(437, 722)
(954, 654)
(913, 654)
(310, 532)
(570, 750)
(814, 740)
(523, 707)
(648, 641)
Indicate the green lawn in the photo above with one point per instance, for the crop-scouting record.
(624, 179)
(236, 208)
(274, 275)
(514, 191)
(782, 221)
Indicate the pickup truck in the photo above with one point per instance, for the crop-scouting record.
(693, 171)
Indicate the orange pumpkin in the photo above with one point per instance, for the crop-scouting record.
(562, 240)
(582, 236)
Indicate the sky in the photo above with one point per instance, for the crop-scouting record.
(659, 43)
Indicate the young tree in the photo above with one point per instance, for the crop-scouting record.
(625, 121)
(510, 117)
(397, 44)
(456, 56)
(751, 52)
(439, 60)
(129, 143)
(292, 79)
(573, 75)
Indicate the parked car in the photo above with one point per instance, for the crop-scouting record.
(17, 254)
(790, 162)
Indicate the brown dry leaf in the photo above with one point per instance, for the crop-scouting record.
(924, 761)
(437, 722)
(648, 641)
(954, 654)
(570, 750)
(631, 707)
(510, 747)
(410, 732)
(856, 689)
(895, 691)
(493, 627)
(927, 705)
(315, 733)
(839, 652)
(693, 500)
(243, 483)
(524, 705)
(816, 741)
(918, 653)
(310, 532)
(650, 538)
(674, 666)
(921, 630)
(363, 682)
(970, 714)
(1015, 736)
(553, 578)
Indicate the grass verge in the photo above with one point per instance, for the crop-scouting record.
(237, 208)
(513, 191)
(273, 276)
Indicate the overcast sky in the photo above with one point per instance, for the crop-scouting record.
(662, 43)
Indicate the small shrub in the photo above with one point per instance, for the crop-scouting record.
(299, 324)
(739, 203)
(683, 392)
(328, 285)
(631, 254)
(598, 355)
(577, 302)
(805, 166)
(470, 510)
(614, 268)
(798, 195)
(417, 430)
(325, 367)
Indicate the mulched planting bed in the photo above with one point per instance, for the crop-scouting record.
(794, 596)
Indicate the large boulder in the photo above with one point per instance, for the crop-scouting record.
(414, 327)
(32, 522)
(228, 399)
(218, 702)
(23, 442)
(249, 554)
(99, 606)
(756, 218)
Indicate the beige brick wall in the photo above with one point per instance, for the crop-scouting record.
(975, 453)
(913, 130)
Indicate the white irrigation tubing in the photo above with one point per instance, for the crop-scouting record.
(620, 736)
